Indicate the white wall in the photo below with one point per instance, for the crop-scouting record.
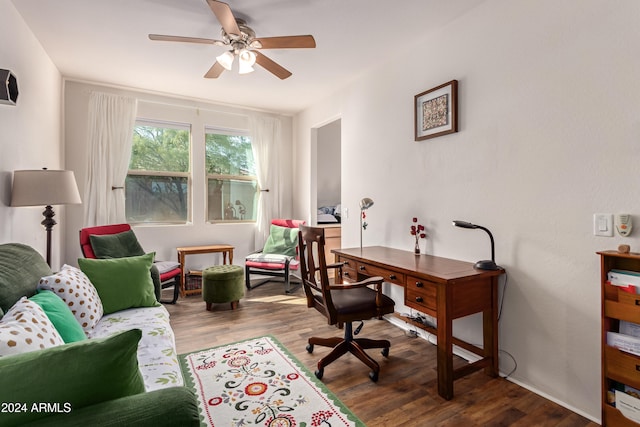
(164, 239)
(29, 131)
(549, 134)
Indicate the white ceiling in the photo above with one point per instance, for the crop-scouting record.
(106, 41)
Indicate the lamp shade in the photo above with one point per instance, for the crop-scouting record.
(226, 60)
(366, 203)
(44, 187)
(247, 57)
(245, 68)
(464, 224)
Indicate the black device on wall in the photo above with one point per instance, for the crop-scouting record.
(8, 87)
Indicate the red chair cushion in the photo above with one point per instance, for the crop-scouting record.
(85, 242)
(289, 223)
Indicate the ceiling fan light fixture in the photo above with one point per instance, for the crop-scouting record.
(226, 60)
(247, 57)
(245, 68)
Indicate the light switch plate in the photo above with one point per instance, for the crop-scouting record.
(603, 224)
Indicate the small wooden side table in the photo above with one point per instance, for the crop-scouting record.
(193, 250)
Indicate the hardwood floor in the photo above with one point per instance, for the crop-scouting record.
(406, 393)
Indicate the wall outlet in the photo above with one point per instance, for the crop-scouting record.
(603, 224)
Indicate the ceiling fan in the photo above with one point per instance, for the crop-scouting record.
(243, 43)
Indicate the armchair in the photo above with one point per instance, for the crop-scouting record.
(340, 304)
(165, 274)
(278, 257)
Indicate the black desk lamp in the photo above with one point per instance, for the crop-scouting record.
(484, 264)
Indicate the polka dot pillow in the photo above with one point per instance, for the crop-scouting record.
(76, 290)
(25, 327)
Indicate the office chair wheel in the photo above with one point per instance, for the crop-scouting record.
(385, 352)
(319, 373)
(310, 348)
(373, 376)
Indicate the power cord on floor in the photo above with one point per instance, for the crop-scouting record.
(515, 363)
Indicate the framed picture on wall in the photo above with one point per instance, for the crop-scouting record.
(436, 111)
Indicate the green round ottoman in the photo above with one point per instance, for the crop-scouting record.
(223, 283)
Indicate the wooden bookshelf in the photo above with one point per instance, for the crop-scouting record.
(619, 368)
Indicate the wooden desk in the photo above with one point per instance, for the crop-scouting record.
(444, 288)
(192, 250)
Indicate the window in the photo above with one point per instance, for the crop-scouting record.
(232, 185)
(157, 186)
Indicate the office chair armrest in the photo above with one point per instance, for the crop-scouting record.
(335, 265)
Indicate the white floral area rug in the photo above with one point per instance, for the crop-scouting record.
(257, 382)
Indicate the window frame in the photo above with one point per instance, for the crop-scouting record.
(158, 123)
(215, 130)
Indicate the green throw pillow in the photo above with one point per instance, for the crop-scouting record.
(122, 282)
(60, 315)
(72, 375)
(281, 240)
(117, 245)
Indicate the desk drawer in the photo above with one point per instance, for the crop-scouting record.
(349, 272)
(420, 293)
(387, 275)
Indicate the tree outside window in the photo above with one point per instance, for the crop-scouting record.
(232, 185)
(157, 186)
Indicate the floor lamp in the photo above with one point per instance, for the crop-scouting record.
(45, 187)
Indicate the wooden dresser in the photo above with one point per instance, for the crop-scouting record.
(332, 240)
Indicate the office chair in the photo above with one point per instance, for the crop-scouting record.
(340, 304)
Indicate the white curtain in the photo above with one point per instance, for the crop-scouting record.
(111, 122)
(266, 133)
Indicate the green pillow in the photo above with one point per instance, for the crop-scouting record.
(281, 240)
(117, 245)
(72, 375)
(122, 282)
(60, 315)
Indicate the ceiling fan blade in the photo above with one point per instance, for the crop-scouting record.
(225, 16)
(215, 71)
(164, 38)
(286, 42)
(271, 66)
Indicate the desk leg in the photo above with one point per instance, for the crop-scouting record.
(445, 344)
(490, 331)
